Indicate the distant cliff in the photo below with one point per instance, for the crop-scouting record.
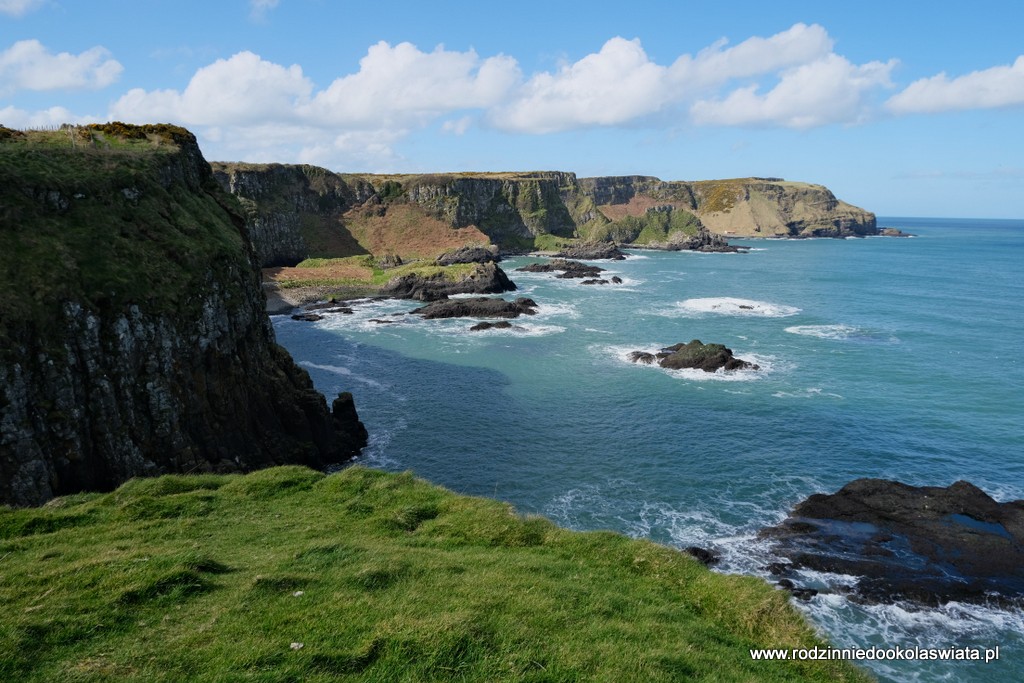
(295, 212)
(133, 338)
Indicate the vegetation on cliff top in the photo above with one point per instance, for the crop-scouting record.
(357, 271)
(109, 215)
(288, 574)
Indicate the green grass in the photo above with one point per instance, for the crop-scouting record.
(380, 577)
(93, 223)
(379, 277)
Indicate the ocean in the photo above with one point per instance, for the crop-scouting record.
(897, 358)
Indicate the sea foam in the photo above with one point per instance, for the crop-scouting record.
(725, 305)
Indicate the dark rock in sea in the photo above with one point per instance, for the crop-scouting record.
(378, 321)
(485, 278)
(594, 282)
(703, 240)
(479, 307)
(500, 325)
(695, 355)
(307, 317)
(467, 255)
(590, 251)
(929, 545)
(797, 592)
(616, 280)
(330, 307)
(566, 269)
(894, 232)
(703, 555)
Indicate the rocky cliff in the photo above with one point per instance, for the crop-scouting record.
(133, 337)
(296, 212)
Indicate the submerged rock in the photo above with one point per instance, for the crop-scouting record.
(929, 545)
(479, 307)
(500, 325)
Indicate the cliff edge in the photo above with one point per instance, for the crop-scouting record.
(298, 212)
(133, 337)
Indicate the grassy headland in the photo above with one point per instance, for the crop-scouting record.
(290, 575)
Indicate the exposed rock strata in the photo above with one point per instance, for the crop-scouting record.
(151, 353)
(925, 544)
(303, 210)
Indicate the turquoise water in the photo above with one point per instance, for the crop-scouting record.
(880, 357)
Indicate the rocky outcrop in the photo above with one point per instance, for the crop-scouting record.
(695, 355)
(924, 544)
(565, 269)
(479, 307)
(485, 278)
(147, 350)
(592, 251)
(467, 255)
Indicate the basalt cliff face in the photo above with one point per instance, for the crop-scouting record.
(133, 336)
(295, 212)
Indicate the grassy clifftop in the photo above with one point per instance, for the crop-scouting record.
(288, 574)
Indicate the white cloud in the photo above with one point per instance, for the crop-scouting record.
(999, 86)
(28, 65)
(17, 8)
(614, 86)
(800, 44)
(259, 8)
(402, 86)
(243, 90)
(829, 90)
(620, 85)
(12, 117)
(249, 108)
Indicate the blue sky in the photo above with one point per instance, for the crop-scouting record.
(901, 108)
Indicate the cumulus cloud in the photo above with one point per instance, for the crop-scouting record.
(46, 118)
(620, 85)
(258, 8)
(242, 90)
(829, 90)
(714, 65)
(246, 101)
(999, 86)
(17, 8)
(403, 86)
(613, 86)
(28, 65)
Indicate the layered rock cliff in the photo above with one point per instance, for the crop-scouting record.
(133, 337)
(301, 211)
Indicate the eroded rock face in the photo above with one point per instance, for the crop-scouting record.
(926, 544)
(695, 355)
(172, 365)
(479, 307)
